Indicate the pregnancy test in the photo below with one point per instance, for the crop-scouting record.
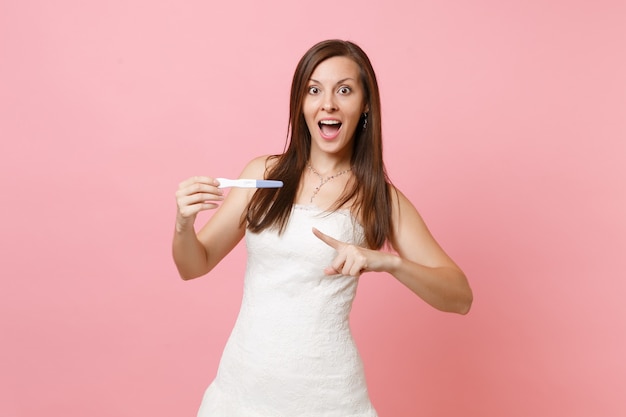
(247, 183)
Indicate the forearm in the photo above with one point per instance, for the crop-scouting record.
(189, 254)
(444, 288)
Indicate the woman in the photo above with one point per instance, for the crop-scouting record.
(291, 352)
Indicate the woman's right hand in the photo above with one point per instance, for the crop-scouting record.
(194, 195)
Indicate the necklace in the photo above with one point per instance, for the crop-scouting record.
(324, 180)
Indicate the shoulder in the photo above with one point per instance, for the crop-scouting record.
(398, 199)
(404, 213)
(412, 239)
(258, 167)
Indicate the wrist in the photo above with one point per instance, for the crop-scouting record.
(393, 264)
(184, 226)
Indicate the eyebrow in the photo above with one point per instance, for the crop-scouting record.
(338, 82)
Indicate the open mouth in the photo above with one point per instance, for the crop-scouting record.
(329, 128)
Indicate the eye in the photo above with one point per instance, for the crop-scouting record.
(344, 90)
(314, 90)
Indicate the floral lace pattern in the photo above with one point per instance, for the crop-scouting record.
(291, 352)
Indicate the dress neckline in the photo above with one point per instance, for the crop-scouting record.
(318, 209)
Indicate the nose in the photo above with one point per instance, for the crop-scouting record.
(328, 103)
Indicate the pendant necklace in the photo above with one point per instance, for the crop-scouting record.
(324, 180)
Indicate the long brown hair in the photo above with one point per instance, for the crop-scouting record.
(371, 189)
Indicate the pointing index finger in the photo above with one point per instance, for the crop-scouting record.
(330, 241)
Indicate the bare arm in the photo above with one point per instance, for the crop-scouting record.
(195, 254)
(420, 263)
(423, 266)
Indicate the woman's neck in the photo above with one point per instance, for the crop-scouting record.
(329, 165)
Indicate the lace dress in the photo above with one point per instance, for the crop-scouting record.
(291, 353)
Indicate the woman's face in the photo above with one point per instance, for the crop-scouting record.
(333, 104)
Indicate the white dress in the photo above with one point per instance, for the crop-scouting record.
(291, 353)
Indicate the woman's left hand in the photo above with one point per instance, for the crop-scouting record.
(351, 260)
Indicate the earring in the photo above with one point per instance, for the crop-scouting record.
(364, 121)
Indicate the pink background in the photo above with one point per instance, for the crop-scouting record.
(504, 123)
